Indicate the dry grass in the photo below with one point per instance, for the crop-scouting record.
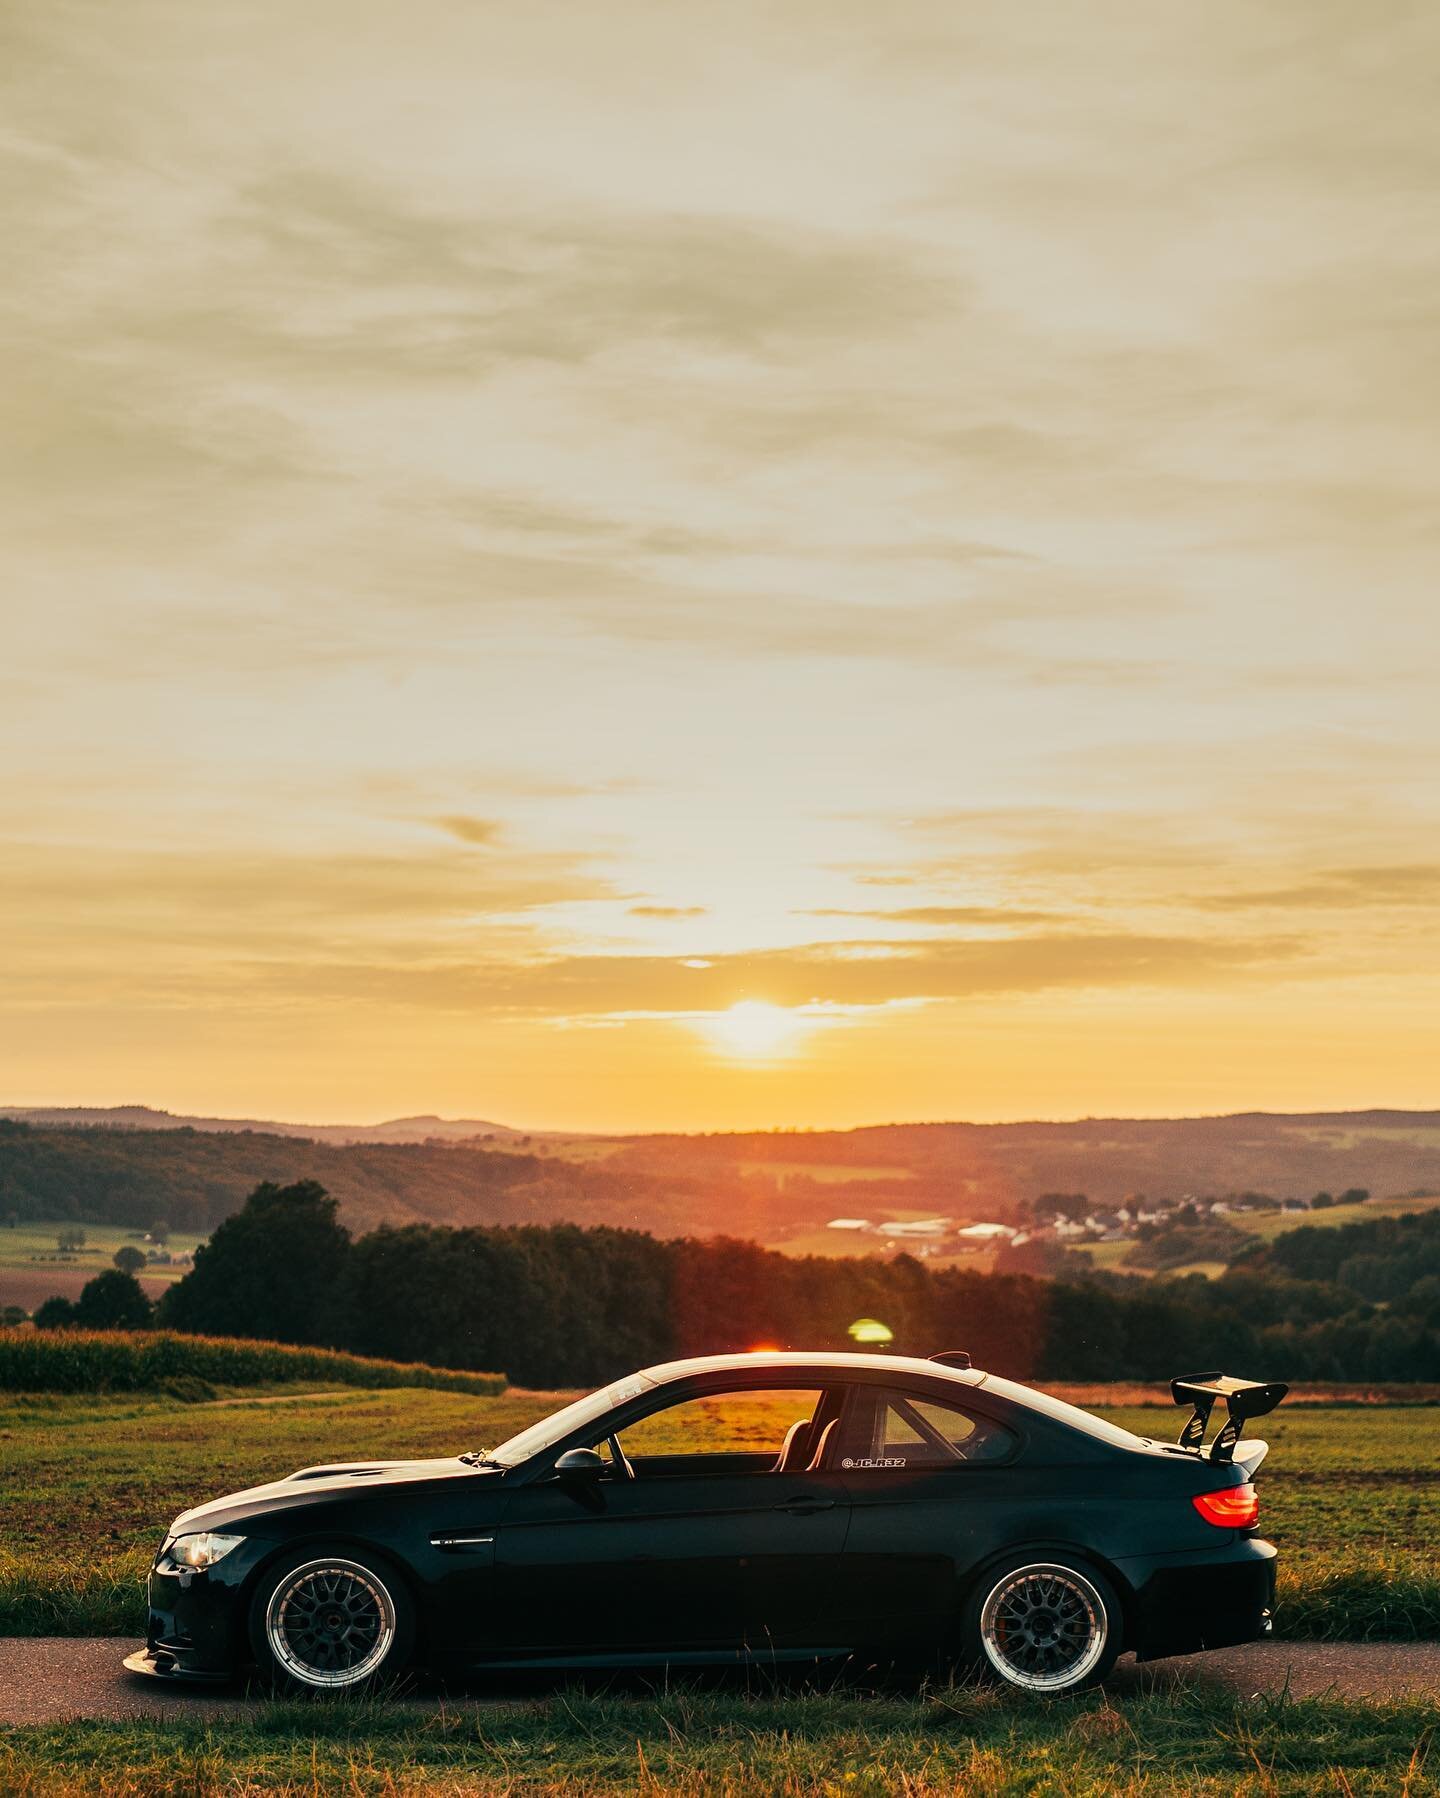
(794, 1744)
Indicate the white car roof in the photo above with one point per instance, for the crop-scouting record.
(787, 1361)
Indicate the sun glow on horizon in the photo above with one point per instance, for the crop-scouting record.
(671, 634)
(755, 1030)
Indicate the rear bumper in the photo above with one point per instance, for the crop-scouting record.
(1188, 1602)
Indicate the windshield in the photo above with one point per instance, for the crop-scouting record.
(550, 1429)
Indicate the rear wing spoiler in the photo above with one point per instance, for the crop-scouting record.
(1244, 1399)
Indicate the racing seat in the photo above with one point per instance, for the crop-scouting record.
(822, 1445)
(794, 1449)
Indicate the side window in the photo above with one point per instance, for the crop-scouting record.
(758, 1426)
(908, 1429)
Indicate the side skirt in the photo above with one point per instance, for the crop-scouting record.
(689, 1657)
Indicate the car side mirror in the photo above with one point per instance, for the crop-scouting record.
(579, 1464)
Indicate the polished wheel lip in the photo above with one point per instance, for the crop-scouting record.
(343, 1589)
(1041, 1611)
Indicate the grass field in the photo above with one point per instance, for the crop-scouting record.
(836, 1244)
(32, 1267)
(779, 1744)
(1267, 1225)
(88, 1484)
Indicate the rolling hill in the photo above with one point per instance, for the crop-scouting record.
(140, 1164)
(147, 1117)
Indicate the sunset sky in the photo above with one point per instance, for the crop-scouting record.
(643, 565)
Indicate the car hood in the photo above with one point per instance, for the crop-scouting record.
(331, 1479)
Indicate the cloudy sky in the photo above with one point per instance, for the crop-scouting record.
(651, 565)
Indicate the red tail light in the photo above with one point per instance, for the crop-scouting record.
(1233, 1508)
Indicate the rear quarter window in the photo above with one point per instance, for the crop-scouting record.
(894, 1428)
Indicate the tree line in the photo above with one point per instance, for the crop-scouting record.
(561, 1306)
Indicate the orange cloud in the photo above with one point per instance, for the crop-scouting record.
(482, 832)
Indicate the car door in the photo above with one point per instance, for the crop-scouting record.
(929, 1488)
(708, 1548)
(794, 1583)
(600, 1567)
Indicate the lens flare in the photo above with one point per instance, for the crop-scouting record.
(871, 1330)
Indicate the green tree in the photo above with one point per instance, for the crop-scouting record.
(129, 1259)
(69, 1238)
(159, 1231)
(13, 1316)
(1322, 1201)
(54, 1314)
(112, 1301)
(273, 1270)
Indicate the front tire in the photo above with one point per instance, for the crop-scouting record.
(331, 1621)
(1044, 1624)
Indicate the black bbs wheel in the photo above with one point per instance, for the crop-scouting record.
(330, 1622)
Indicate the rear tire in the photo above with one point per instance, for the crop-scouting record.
(1044, 1623)
(331, 1620)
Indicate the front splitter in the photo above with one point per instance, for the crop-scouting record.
(158, 1663)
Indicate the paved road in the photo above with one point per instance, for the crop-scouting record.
(48, 1679)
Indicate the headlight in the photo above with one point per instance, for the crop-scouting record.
(199, 1551)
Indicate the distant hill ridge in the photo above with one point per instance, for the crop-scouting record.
(432, 1128)
(131, 1164)
(149, 1117)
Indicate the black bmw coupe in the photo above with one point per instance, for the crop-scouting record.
(777, 1507)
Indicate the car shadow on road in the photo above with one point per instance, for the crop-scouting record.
(754, 1679)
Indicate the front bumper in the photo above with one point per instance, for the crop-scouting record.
(196, 1628)
(1188, 1602)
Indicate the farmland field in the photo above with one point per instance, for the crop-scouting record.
(88, 1483)
(1114, 1257)
(32, 1268)
(1270, 1224)
(835, 1244)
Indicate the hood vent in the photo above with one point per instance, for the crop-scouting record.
(349, 1471)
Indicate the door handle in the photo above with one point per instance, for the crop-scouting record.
(471, 1543)
(804, 1507)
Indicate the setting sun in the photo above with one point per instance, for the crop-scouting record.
(753, 1030)
(673, 633)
